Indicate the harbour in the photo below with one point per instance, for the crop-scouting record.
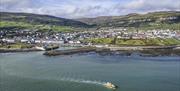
(89, 45)
(89, 71)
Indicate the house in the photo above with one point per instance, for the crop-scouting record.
(8, 40)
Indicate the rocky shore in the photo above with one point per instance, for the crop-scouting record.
(5, 50)
(139, 48)
(26, 48)
(145, 51)
(126, 51)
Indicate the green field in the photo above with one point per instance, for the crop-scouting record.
(135, 42)
(40, 27)
(15, 46)
(152, 26)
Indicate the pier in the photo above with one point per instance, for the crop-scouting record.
(149, 50)
(74, 51)
(69, 51)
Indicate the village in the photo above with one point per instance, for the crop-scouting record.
(36, 37)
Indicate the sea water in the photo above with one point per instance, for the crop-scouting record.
(33, 71)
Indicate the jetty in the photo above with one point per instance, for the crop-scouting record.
(144, 50)
(69, 51)
(74, 51)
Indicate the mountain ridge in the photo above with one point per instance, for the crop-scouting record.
(151, 20)
(40, 19)
(134, 19)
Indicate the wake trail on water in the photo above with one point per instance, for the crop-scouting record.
(83, 81)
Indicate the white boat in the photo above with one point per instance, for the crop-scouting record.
(110, 85)
(40, 48)
(47, 48)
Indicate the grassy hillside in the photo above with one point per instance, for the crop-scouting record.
(10, 25)
(155, 20)
(39, 22)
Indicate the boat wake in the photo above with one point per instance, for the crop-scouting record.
(105, 84)
(84, 81)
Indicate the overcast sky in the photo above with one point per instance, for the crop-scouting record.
(88, 8)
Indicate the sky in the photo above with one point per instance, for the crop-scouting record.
(88, 8)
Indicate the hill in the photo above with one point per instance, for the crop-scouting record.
(166, 19)
(152, 20)
(36, 21)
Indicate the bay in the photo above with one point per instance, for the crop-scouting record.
(88, 72)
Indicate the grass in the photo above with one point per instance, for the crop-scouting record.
(100, 40)
(152, 26)
(136, 42)
(22, 25)
(16, 46)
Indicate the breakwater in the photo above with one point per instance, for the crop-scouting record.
(143, 51)
(73, 51)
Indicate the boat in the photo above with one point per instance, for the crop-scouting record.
(110, 85)
(51, 47)
(40, 48)
(47, 47)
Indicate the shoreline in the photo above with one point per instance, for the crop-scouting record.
(140, 48)
(148, 51)
(144, 51)
(7, 50)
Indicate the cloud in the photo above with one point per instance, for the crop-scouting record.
(15, 5)
(87, 8)
(8, 1)
(150, 5)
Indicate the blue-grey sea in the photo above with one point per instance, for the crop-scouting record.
(32, 71)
